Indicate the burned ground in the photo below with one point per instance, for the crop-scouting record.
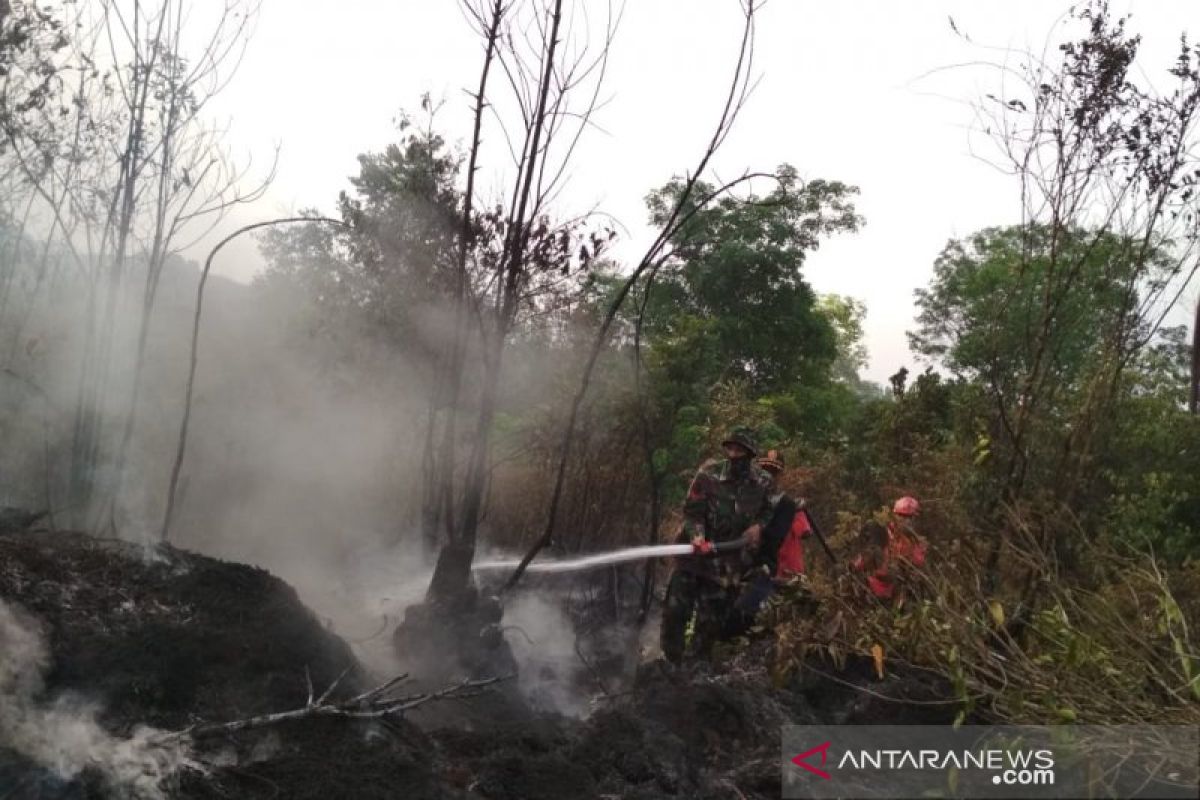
(158, 636)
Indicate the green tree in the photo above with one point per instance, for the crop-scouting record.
(979, 316)
(730, 317)
(846, 315)
(1149, 473)
(391, 266)
(1107, 174)
(1000, 312)
(733, 286)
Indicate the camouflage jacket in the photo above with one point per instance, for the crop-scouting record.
(720, 505)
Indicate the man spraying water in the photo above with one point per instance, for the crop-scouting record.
(727, 508)
(728, 499)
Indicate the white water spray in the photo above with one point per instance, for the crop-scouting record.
(592, 561)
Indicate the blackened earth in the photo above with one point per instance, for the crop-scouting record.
(159, 636)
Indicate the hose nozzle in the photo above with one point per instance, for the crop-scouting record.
(707, 548)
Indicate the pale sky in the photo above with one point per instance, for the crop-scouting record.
(841, 97)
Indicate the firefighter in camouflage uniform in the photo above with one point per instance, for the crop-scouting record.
(728, 498)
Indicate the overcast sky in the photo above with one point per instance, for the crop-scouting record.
(846, 93)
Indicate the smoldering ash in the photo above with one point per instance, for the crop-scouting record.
(61, 735)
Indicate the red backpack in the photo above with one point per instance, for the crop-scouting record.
(791, 550)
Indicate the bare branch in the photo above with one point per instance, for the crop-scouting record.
(370, 705)
(195, 346)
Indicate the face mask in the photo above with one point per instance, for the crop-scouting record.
(741, 466)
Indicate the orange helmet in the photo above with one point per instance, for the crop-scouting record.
(906, 507)
(772, 462)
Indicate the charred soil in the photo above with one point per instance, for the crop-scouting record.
(158, 636)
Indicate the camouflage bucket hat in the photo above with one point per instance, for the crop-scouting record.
(744, 437)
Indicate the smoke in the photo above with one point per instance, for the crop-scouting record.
(365, 595)
(303, 454)
(569, 644)
(305, 448)
(61, 734)
(304, 459)
(543, 641)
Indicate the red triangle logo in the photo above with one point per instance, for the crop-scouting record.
(802, 760)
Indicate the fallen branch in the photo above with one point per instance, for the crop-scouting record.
(371, 704)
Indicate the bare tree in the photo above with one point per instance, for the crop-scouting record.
(438, 494)
(120, 159)
(515, 246)
(687, 205)
(543, 75)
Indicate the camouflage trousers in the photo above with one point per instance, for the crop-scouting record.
(722, 610)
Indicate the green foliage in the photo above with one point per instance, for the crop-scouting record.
(846, 315)
(731, 333)
(981, 313)
(733, 288)
(1030, 320)
(1173, 624)
(381, 274)
(1118, 650)
(404, 212)
(1156, 510)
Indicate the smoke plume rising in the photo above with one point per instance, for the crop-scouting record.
(61, 734)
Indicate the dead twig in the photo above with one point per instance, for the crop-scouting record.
(379, 691)
(325, 695)
(371, 704)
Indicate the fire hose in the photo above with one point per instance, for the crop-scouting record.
(618, 556)
(703, 549)
(706, 548)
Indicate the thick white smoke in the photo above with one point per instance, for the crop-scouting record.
(61, 734)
